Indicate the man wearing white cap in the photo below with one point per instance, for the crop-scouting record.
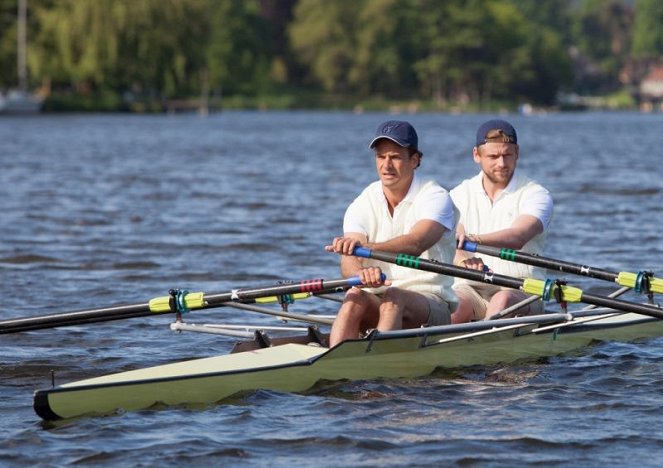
(399, 213)
(501, 208)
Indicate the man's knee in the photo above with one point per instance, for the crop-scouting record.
(392, 297)
(356, 297)
(505, 298)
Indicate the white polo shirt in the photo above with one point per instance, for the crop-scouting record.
(480, 215)
(369, 214)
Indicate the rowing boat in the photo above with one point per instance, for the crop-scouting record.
(297, 366)
(296, 363)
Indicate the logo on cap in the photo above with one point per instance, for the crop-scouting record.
(400, 132)
(508, 133)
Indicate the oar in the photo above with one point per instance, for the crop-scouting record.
(543, 288)
(178, 301)
(641, 282)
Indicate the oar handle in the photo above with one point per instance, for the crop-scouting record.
(470, 246)
(362, 252)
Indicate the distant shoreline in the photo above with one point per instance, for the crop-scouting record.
(313, 101)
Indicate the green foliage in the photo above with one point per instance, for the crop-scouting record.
(157, 49)
(237, 52)
(8, 74)
(384, 50)
(430, 54)
(323, 35)
(602, 31)
(648, 29)
(547, 36)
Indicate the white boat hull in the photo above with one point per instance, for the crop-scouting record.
(296, 367)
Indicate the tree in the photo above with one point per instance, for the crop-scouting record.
(323, 35)
(78, 41)
(548, 37)
(602, 32)
(238, 54)
(8, 77)
(473, 50)
(385, 50)
(648, 30)
(553, 15)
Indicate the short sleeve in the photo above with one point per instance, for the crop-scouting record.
(353, 220)
(435, 203)
(538, 203)
(459, 199)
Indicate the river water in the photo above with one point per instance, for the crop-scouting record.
(101, 210)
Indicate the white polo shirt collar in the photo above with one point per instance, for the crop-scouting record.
(415, 185)
(477, 184)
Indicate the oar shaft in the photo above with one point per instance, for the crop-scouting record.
(159, 305)
(75, 318)
(535, 260)
(438, 267)
(312, 286)
(641, 282)
(602, 301)
(527, 285)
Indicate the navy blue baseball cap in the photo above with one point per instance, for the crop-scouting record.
(398, 131)
(497, 124)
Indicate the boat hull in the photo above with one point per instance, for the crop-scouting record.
(19, 103)
(297, 367)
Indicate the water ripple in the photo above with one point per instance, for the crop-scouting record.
(254, 203)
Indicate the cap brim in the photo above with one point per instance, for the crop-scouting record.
(386, 138)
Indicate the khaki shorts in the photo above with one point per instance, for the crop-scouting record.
(479, 294)
(439, 312)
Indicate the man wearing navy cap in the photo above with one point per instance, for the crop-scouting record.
(399, 213)
(502, 208)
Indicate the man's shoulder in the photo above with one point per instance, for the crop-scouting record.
(469, 182)
(465, 187)
(372, 189)
(370, 196)
(526, 183)
(429, 190)
(430, 185)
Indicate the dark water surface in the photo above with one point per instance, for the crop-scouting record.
(103, 210)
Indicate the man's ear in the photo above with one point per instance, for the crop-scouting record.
(475, 155)
(418, 159)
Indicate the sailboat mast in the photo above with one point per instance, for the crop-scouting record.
(21, 48)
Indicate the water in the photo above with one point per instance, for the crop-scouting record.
(100, 210)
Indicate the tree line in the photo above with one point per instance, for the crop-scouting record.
(114, 53)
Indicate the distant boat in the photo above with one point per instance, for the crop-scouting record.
(21, 101)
